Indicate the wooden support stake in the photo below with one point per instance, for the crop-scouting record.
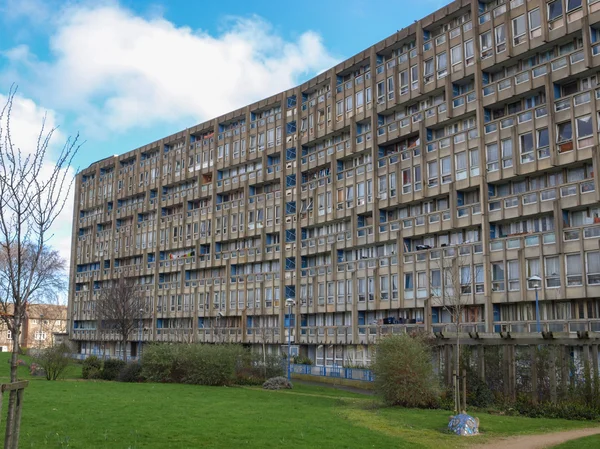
(17, 431)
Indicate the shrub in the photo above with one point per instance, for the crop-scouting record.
(132, 372)
(92, 363)
(112, 368)
(560, 410)
(302, 360)
(277, 383)
(158, 362)
(54, 360)
(404, 373)
(94, 373)
(480, 394)
(208, 364)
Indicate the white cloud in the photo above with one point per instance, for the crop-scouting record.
(26, 122)
(120, 71)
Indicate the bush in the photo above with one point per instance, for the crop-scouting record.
(479, 394)
(112, 368)
(404, 373)
(94, 373)
(92, 363)
(302, 360)
(277, 383)
(54, 360)
(132, 372)
(560, 410)
(208, 364)
(158, 363)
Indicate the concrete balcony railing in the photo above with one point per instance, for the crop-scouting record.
(570, 326)
(540, 201)
(450, 328)
(523, 241)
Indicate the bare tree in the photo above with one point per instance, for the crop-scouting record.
(118, 309)
(34, 188)
(451, 284)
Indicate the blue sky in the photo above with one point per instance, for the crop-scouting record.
(126, 73)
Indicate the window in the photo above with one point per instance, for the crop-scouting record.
(584, 131)
(492, 156)
(384, 288)
(390, 88)
(417, 171)
(349, 103)
(428, 70)
(408, 286)
(40, 336)
(535, 22)
(543, 143)
(436, 282)
(360, 99)
(414, 77)
(565, 132)
(486, 44)
(9, 335)
(554, 10)
(392, 181)
(474, 160)
(507, 153)
(469, 52)
(442, 64)
(339, 108)
(533, 269)
(460, 160)
(380, 92)
(432, 172)
(593, 267)
(403, 77)
(500, 33)
(465, 280)
(552, 269)
(497, 277)
(446, 164)
(456, 55)
(519, 29)
(573, 4)
(526, 142)
(513, 275)
(479, 279)
(574, 270)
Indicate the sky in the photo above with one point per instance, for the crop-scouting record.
(126, 73)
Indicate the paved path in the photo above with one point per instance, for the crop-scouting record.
(544, 441)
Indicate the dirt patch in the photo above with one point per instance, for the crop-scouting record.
(544, 441)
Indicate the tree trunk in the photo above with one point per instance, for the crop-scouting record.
(264, 355)
(12, 398)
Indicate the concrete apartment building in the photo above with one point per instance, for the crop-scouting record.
(469, 137)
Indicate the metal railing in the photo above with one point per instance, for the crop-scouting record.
(334, 371)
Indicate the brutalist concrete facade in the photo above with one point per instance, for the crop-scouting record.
(453, 161)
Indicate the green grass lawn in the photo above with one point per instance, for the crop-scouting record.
(581, 443)
(96, 414)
